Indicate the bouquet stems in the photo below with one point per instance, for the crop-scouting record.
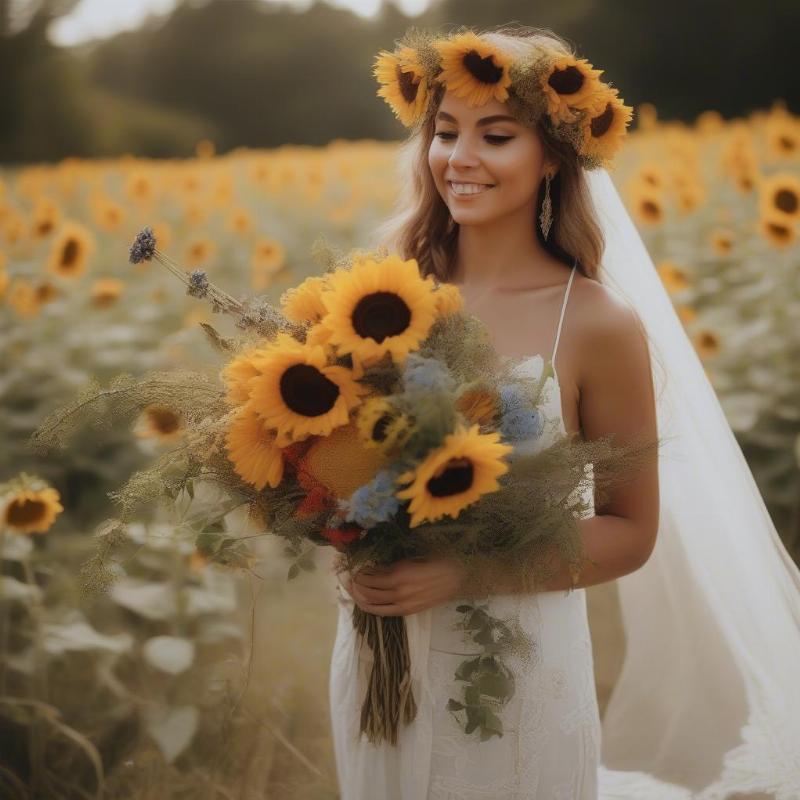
(389, 697)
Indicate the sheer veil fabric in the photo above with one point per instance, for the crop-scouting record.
(708, 695)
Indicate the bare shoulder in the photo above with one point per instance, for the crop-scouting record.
(606, 327)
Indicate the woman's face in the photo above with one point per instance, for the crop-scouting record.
(470, 146)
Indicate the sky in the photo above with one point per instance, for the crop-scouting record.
(98, 19)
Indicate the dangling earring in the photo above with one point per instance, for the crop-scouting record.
(546, 216)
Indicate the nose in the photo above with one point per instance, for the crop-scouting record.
(463, 154)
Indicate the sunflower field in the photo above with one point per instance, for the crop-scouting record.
(179, 676)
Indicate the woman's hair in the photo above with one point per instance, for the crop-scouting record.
(422, 228)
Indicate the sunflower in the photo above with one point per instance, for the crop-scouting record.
(779, 196)
(403, 84)
(298, 393)
(159, 422)
(454, 475)
(379, 307)
(107, 214)
(199, 252)
(268, 257)
(382, 425)
(604, 130)
(672, 276)
(140, 188)
(70, 251)
(45, 291)
(473, 69)
(449, 299)
(646, 206)
(572, 83)
(241, 222)
(783, 134)
(22, 298)
(303, 303)
(236, 376)
(106, 291)
(45, 218)
(252, 450)
(324, 460)
(479, 405)
(31, 510)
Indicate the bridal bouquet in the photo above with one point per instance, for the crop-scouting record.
(369, 413)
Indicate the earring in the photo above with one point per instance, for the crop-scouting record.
(546, 216)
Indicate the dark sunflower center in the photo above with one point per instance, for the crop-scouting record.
(69, 255)
(306, 391)
(456, 477)
(483, 69)
(601, 124)
(380, 427)
(164, 420)
(566, 81)
(409, 89)
(23, 512)
(786, 200)
(379, 315)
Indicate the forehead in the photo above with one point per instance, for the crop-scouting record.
(459, 108)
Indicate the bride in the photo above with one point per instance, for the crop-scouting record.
(509, 199)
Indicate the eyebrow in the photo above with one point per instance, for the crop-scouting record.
(484, 121)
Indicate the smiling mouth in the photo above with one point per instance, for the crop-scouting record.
(481, 188)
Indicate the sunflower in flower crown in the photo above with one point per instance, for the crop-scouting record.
(572, 83)
(298, 393)
(379, 307)
(403, 84)
(604, 131)
(466, 466)
(474, 69)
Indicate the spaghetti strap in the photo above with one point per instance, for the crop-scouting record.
(561, 317)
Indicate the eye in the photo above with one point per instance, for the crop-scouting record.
(491, 138)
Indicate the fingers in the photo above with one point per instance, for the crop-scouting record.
(374, 596)
(383, 579)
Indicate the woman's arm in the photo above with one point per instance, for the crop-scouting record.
(616, 397)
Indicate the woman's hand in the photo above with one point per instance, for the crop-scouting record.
(407, 587)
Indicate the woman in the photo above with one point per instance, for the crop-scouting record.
(500, 205)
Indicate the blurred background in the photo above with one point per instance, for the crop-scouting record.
(242, 131)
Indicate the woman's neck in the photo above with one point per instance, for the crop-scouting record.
(504, 254)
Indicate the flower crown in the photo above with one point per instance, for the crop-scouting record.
(577, 106)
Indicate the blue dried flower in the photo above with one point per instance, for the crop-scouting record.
(143, 247)
(374, 502)
(198, 284)
(519, 421)
(426, 374)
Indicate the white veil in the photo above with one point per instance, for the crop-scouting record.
(709, 693)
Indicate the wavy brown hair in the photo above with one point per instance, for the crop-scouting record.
(421, 226)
